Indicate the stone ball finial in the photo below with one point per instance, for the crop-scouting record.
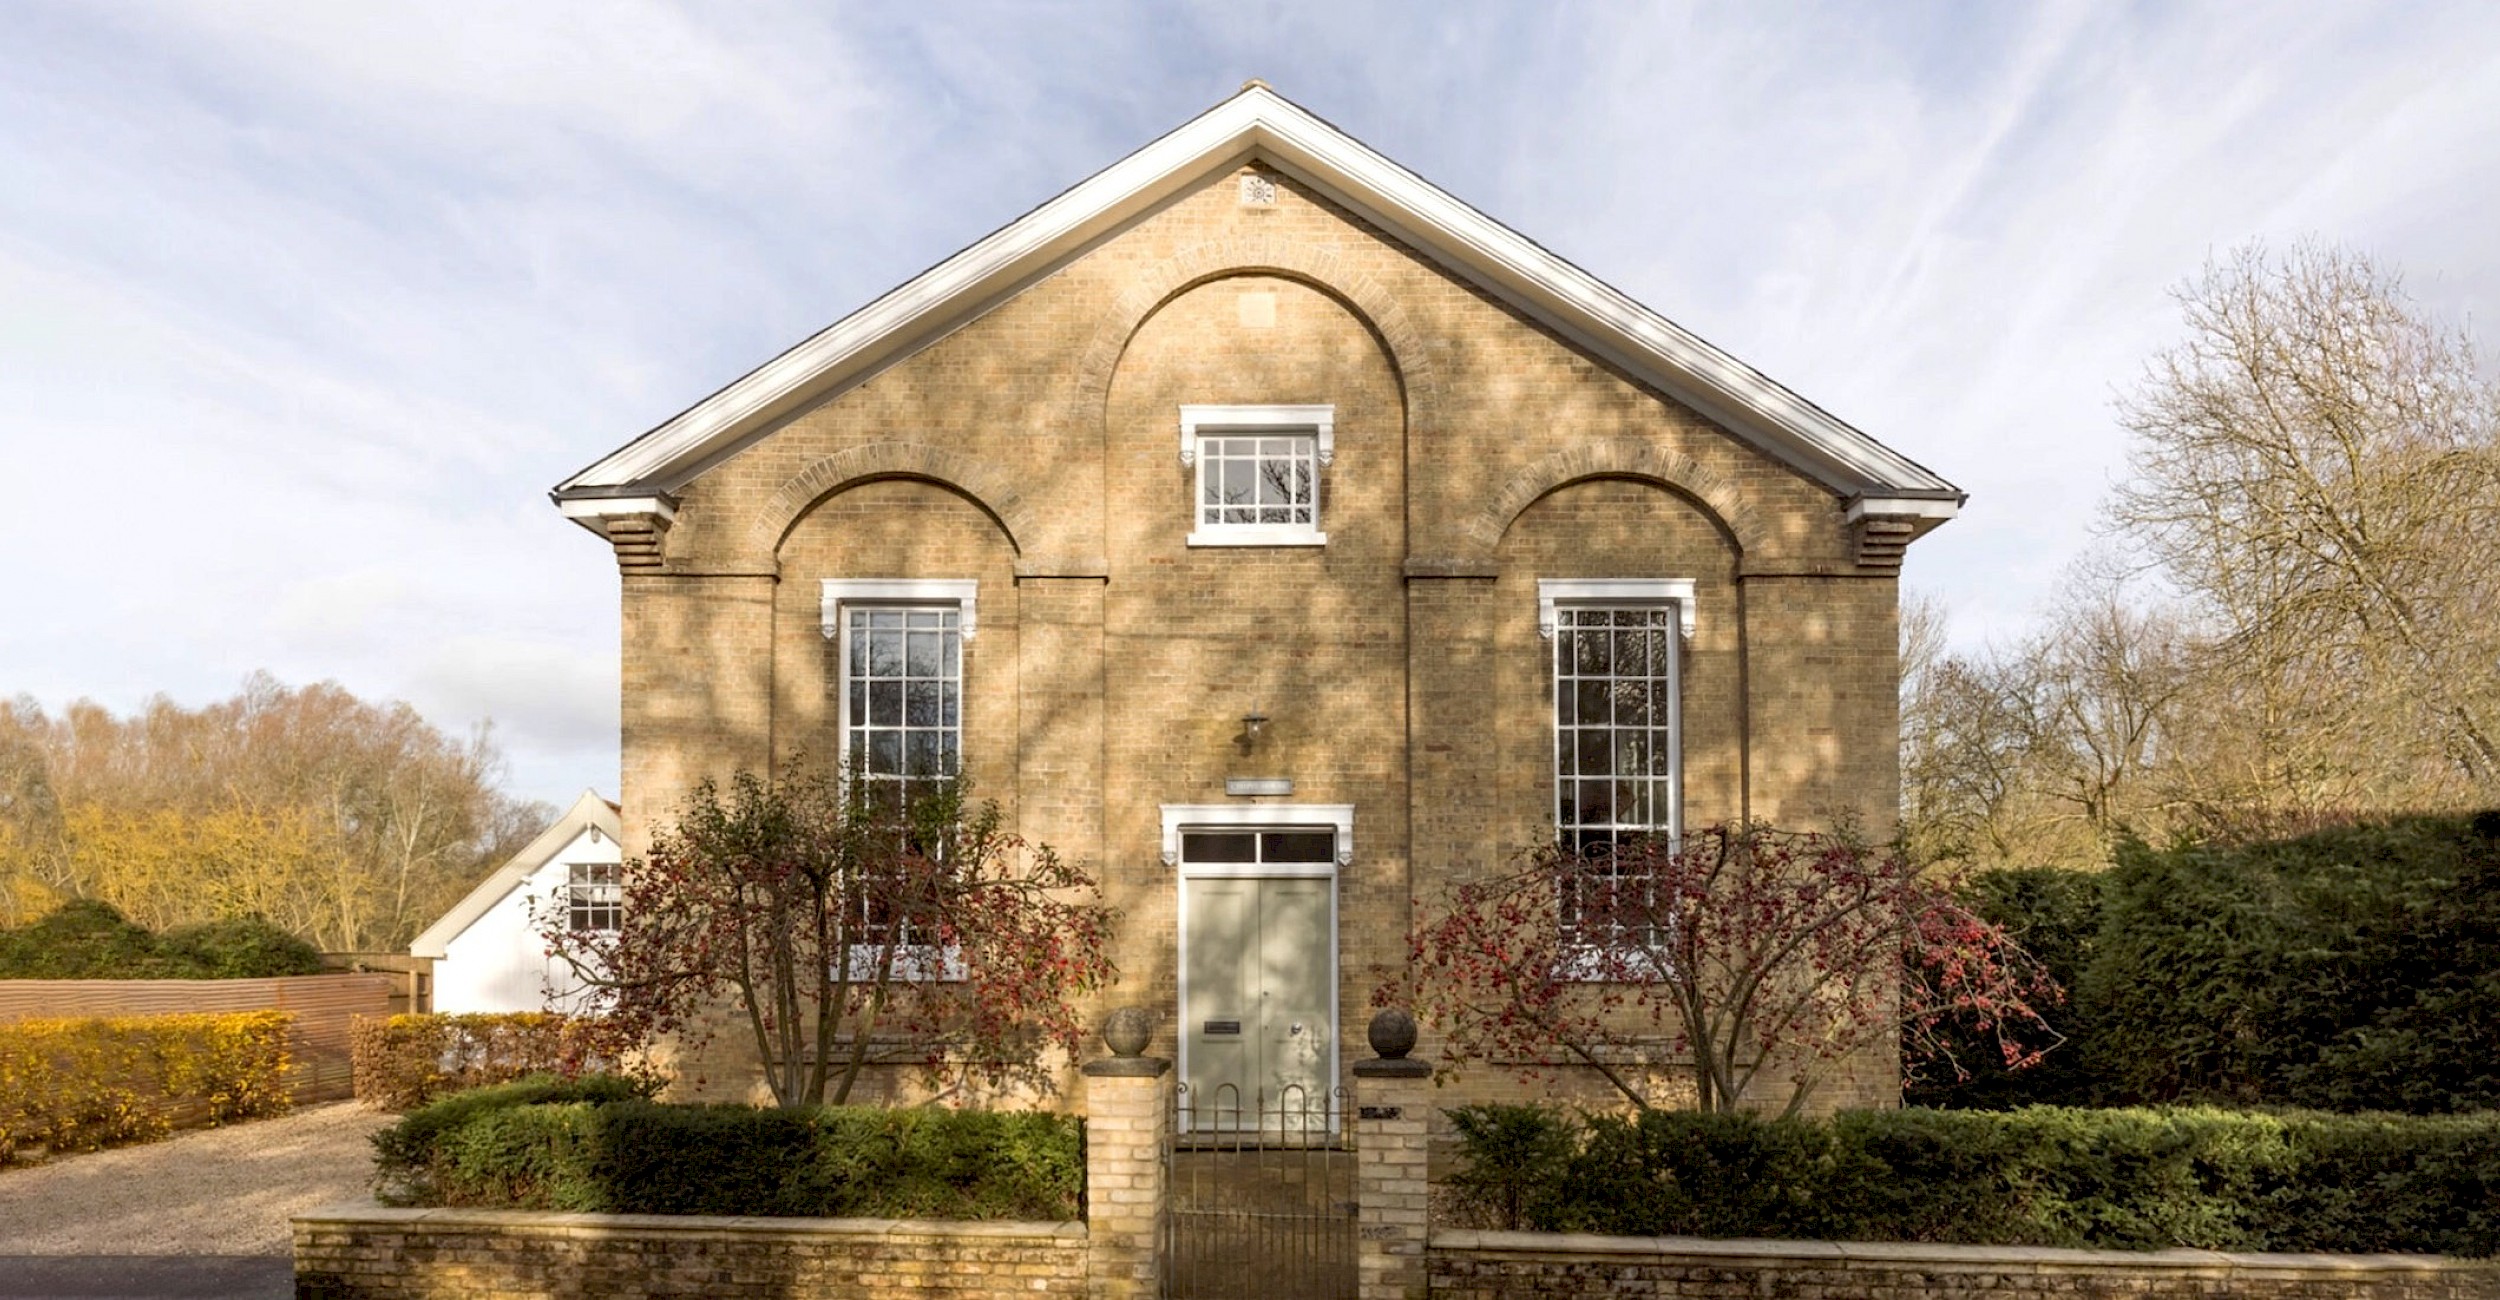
(1392, 1034)
(1126, 1030)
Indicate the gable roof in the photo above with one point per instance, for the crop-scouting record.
(590, 812)
(1259, 123)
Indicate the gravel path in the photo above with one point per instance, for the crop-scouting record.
(220, 1191)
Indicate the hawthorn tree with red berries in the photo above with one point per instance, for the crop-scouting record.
(854, 921)
(1750, 957)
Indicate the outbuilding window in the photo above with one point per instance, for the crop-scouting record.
(594, 897)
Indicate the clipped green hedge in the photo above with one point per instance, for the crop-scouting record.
(2356, 968)
(85, 939)
(593, 1145)
(2043, 1176)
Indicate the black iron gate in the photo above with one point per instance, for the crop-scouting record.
(1262, 1197)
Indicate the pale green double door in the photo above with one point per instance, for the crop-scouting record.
(1258, 999)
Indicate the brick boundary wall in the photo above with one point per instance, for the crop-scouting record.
(1467, 1265)
(370, 1252)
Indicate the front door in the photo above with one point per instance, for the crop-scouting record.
(1258, 990)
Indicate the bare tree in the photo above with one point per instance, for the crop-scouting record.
(2107, 678)
(2039, 755)
(2317, 471)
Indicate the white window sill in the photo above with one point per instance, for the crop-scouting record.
(1581, 963)
(1257, 535)
(914, 963)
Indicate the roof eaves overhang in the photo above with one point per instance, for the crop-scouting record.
(589, 812)
(1259, 123)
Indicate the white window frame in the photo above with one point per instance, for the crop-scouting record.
(1557, 594)
(1318, 423)
(580, 894)
(900, 593)
(1179, 817)
(913, 962)
(1553, 594)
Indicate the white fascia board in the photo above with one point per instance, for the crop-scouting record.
(1259, 122)
(611, 507)
(1937, 508)
(922, 307)
(1595, 313)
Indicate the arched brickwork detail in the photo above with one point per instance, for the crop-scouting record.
(1320, 267)
(1617, 458)
(990, 487)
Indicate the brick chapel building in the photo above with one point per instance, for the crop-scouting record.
(1244, 521)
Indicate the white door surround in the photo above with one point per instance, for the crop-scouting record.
(1335, 819)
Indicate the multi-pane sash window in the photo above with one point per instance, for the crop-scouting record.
(1261, 480)
(1614, 754)
(1614, 734)
(594, 896)
(1257, 472)
(902, 684)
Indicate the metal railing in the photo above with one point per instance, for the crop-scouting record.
(1262, 1196)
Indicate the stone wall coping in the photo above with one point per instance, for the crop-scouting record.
(558, 1223)
(2045, 1259)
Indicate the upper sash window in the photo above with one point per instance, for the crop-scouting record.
(1257, 473)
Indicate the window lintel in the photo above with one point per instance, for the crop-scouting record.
(1233, 816)
(964, 593)
(1319, 421)
(1551, 592)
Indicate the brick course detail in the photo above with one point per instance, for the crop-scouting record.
(373, 1253)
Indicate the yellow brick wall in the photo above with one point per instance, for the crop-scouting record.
(1399, 665)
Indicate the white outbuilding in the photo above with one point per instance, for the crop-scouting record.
(487, 951)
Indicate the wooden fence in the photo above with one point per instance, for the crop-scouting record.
(324, 1005)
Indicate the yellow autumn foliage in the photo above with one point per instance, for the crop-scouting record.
(78, 1084)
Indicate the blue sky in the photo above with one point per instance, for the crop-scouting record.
(304, 306)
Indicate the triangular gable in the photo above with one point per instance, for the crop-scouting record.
(590, 812)
(1259, 123)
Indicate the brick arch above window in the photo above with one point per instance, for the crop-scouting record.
(1317, 266)
(985, 484)
(1617, 459)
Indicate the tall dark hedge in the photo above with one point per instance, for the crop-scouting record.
(89, 940)
(2130, 1179)
(2350, 969)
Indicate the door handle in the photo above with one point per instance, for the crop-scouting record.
(1297, 1026)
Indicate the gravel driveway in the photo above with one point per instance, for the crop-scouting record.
(220, 1191)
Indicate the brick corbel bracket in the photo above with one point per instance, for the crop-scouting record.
(1882, 528)
(637, 526)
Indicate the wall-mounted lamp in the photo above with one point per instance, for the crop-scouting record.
(1252, 724)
